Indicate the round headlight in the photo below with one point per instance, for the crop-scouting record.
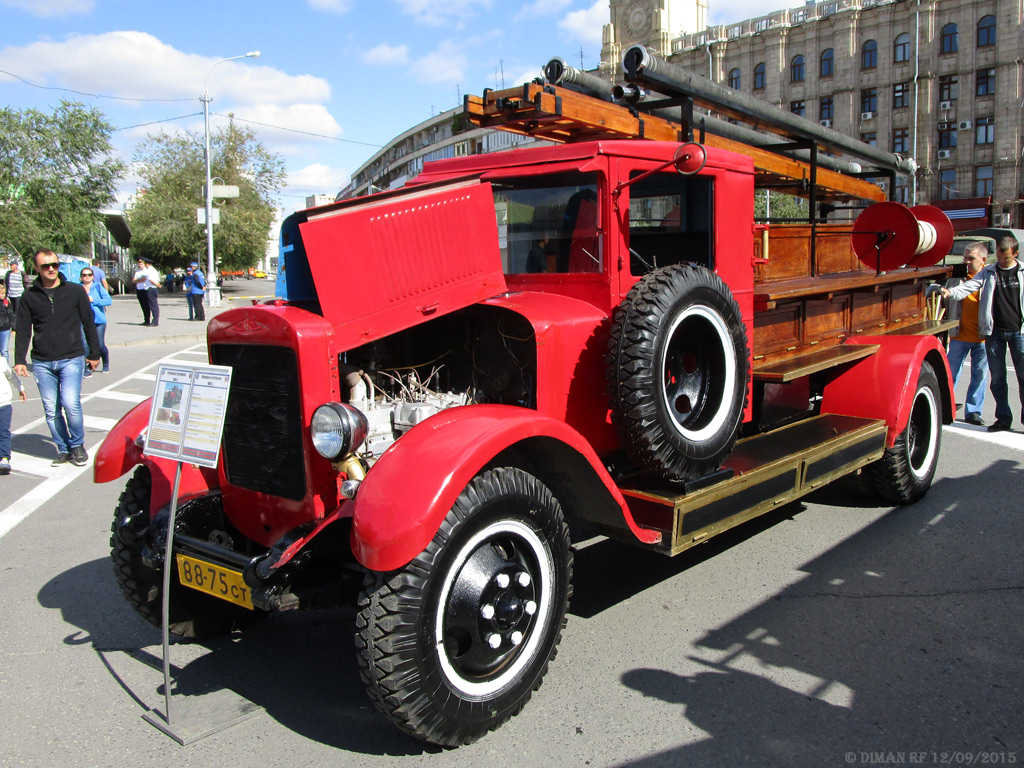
(337, 429)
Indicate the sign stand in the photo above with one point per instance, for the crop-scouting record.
(186, 422)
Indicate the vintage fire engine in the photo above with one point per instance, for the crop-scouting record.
(595, 332)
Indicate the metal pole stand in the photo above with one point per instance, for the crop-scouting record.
(203, 715)
(213, 294)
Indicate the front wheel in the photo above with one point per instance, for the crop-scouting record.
(905, 472)
(453, 644)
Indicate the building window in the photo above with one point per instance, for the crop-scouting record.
(985, 130)
(901, 190)
(986, 82)
(734, 79)
(759, 77)
(869, 100)
(947, 135)
(798, 108)
(901, 50)
(901, 140)
(869, 55)
(826, 108)
(870, 138)
(948, 40)
(949, 88)
(796, 69)
(947, 184)
(983, 181)
(900, 95)
(827, 57)
(987, 31)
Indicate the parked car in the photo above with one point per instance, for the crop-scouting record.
(960, 243)
(996, 233)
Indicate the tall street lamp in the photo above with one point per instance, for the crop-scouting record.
(212, 289)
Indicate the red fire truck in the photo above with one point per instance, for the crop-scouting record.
(595, 332)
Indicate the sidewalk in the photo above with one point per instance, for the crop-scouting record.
(124, 319)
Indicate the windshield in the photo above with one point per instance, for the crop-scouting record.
(548, 224)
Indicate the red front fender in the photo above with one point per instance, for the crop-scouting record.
(410, 489)
(119, 453)
(883, 386)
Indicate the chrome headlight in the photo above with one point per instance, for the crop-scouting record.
(337, 429)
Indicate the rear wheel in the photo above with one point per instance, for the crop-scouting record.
(905, 472)
(192, 614)
(453, 644)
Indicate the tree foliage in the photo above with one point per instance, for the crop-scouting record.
(781, 206)
(56, 175)
(163, 218)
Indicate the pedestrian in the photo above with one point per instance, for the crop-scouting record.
(187, 288)
(16, 282)
(967, 342)
(52, 316)
(99, 300)
(198, 291)
(7, 379)
(99, 275)
(1000, 322)
(147, 289)
(6, 320)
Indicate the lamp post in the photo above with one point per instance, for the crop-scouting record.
(212, 289)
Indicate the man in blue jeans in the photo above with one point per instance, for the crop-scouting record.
(1000, 322)
(52, 314)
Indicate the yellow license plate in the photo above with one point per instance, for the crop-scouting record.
(214, 580)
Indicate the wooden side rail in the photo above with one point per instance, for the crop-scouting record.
(768, 294)
(804, 365)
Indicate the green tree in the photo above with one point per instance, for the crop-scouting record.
(163, 217)
(782, 206)
(56, 175)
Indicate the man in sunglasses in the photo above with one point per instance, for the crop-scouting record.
(52, 314)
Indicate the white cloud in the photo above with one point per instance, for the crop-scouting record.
(331, 6)
(585, 25)
(137, 65)
(436, 14)
(445, 64)
(50, 9)
(387, 54)
(318, 178)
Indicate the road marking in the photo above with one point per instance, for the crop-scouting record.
(58, 478)
(1012, 440)
(144, 376)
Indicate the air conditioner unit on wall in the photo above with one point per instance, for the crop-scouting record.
(825, 123)
(966, 125)
(1003, 220)
(866, 115)
(945, 154)
(945, 105)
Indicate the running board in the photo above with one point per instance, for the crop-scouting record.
(769, 470)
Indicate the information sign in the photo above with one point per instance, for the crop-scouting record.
(186, 420)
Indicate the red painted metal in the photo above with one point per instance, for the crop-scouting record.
(407, 259)
(119, 453)
(410, 489)
(883, 385)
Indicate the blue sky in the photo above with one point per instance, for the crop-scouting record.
(345, 76)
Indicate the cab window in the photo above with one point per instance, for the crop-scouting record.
(549, 225)
(670, 219)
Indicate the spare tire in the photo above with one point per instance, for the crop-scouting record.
(677, 372)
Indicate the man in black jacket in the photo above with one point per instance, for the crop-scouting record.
(52, 314)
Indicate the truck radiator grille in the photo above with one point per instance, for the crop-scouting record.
(263, 425)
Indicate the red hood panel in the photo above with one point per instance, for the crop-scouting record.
(389, 265)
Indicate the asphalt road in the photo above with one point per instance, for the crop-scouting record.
(833, 632)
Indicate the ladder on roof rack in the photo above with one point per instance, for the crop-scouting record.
(565, 116)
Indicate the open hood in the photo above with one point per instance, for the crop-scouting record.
(389, 264)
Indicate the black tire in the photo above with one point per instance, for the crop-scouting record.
(677, 372)
(192, 614)
(905, 472)
(424, 632)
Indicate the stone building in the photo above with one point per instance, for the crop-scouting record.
(938, 80)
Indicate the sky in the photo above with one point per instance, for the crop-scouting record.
(335, 79)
